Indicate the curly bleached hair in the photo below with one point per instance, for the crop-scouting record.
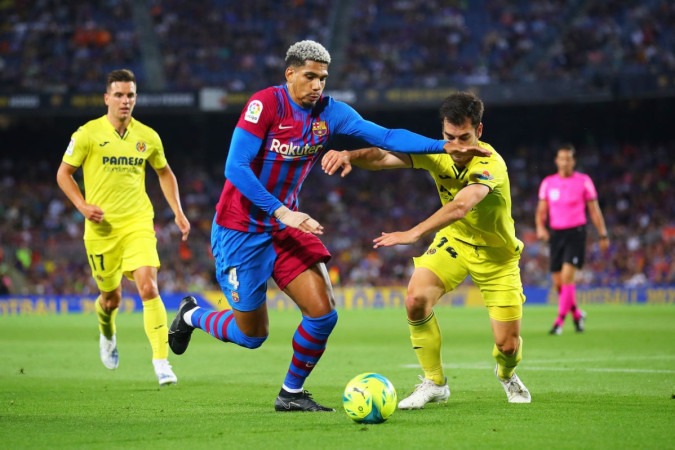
(303, 51)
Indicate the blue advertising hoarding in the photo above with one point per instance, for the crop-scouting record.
(347, 298)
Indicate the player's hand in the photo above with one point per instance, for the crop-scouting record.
(334, 160)
(396, 238)
(543, 235)
(459, 151)
(299, 220)
(92, 212)
(183, 225)
(604, 244)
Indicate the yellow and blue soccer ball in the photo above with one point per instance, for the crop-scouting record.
(369, 398)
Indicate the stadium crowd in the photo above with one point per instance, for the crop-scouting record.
(60, 46)
(42, 247)
(56, 46)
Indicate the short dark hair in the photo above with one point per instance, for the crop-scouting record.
(124, 75)
(457, 107)
(568, 148)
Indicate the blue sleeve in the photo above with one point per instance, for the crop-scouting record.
(399, 140)
(243, 149)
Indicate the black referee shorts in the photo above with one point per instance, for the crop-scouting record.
(567, 246)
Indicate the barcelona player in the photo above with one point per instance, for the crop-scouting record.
(119, 235)
(474, 236)
(564, 198)
(258, 231)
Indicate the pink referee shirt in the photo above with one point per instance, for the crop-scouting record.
(566, 198)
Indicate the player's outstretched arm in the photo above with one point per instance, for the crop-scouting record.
(458, 150)
(334, 160)
(370, 158)
(451, 212)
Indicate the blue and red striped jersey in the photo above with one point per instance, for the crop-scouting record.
(277, 142)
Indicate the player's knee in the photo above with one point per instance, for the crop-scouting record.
(148, 290)
(331, 320)
(509, 346)
(323, 324)
(252, 342)
(110, 301)
(415, 302)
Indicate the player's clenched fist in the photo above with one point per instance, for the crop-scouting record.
(92, 212)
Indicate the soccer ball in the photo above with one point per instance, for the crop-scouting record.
(369, 398)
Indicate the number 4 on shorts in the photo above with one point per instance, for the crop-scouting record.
(232, 278)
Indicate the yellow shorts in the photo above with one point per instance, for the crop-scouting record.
(112, 257)
(493, 269)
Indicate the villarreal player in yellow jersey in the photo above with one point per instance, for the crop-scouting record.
(474, 236)
(119, 235)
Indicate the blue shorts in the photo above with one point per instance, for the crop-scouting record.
(245, 261)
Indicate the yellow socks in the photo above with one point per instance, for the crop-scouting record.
(425, 336)
(506, 364)
(106, 321)
(154, 322)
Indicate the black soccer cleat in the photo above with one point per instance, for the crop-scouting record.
(301, 401)
(555, 331)
(179, 331)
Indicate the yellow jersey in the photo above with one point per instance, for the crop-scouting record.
(114, 173)
(489, 223)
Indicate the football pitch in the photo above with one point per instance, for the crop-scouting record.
(612, 387)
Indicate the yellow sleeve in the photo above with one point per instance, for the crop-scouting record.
(157, 158)
(424, 161)
(490, 171)
(78, 148)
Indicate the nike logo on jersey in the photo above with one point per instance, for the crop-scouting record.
(483, 162)
(285, 127)
(103, 144)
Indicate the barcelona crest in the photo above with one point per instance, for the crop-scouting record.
(141, 147)
(319, 128)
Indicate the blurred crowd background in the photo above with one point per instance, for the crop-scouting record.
(60, 45)
(52, 46)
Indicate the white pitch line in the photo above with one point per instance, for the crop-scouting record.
(597, 360)
(549, 369)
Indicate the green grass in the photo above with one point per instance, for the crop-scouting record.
(612, 387)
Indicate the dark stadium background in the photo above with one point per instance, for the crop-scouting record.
(598, 74)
